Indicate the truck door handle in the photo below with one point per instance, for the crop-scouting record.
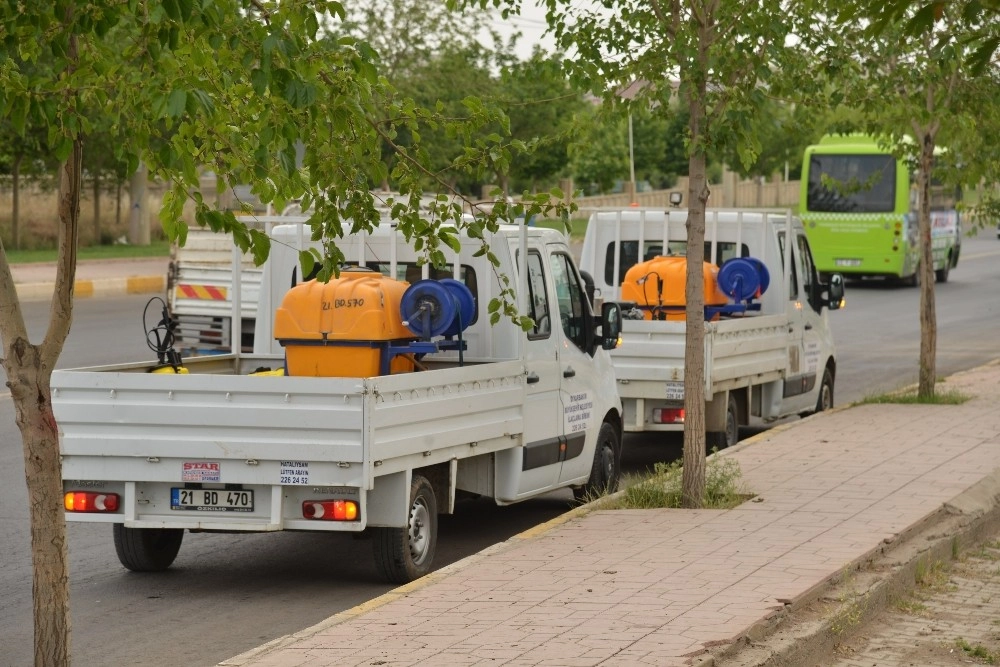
(532, 377)
(569, 373)
(809, 327)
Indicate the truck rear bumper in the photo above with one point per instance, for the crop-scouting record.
(255, 508)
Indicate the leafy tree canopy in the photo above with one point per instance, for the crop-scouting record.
(239, 86)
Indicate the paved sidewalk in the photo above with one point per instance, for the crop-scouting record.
(660, 587)
(95, 277)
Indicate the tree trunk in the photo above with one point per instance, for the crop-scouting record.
(138, 229)
(693, 464)
(50, 581)
(97, 208)
(928, 315)
(118, 205)
(29, 372)
(15, 221)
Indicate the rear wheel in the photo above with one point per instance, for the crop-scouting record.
(147, 549)
(405, 554)
(606, 470)
(731, 436)
(942, 274)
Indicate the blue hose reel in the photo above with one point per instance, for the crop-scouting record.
(743, 278)
(437, 307)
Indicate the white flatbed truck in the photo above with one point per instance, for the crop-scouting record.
(771, 361)
(510, 415)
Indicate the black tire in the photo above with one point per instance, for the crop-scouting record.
(147, 549)
(941, 275)
(606, 471)
(729, 437)
(825, 399)
(405, 554)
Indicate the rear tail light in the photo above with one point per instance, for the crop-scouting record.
(89, 501)
(330, 510)
(668, 415)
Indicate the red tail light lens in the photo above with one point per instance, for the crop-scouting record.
(89, 501)
(668, 415)
(330, 510)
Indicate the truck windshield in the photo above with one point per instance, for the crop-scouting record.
(851, 183)
(652, 249)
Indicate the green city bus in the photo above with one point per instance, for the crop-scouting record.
(858, 204)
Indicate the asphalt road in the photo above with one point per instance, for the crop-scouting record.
(229, 593)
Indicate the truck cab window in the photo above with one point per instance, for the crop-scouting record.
(538, 299)
(806, 269)
(571, 299)
(793, 283)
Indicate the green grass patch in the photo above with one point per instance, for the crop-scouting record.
(945, 397)
(154, 249)
(662, 488)
(931, 574)
(911, 606)
(978, 651)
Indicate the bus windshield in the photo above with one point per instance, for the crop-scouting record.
(851, 183)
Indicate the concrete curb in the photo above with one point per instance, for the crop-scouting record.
(83, 289)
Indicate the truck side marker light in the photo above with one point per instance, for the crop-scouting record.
(330, 510)
(88, 501)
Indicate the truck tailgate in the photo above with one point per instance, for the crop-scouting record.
(141, 427)
(736, 350)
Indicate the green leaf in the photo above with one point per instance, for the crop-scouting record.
(259, 80)
(176, 103)
(449, 238)
(172, 8)
(261, 246)
(215, 220)
(307, 261)
(63, 149)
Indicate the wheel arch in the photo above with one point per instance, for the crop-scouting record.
(614, 418)
(442, 483)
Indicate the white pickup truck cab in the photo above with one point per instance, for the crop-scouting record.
(283, 439)
(773, 359)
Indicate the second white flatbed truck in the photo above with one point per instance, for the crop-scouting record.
(772, 360)
(233, 443)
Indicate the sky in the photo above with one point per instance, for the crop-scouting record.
(531, 24)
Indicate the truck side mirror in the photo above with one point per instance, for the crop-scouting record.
(835, 292)
(611, 325)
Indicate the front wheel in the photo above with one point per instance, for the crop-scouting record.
(405, 554)
(825, 399)
(606, 471)
(147, 549)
